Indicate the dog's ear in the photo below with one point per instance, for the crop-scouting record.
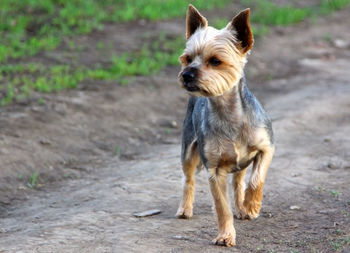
(241, 25)
(194, 20)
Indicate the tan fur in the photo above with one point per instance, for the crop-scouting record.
(227, 154)
(230, 46)
(207, 43)
(238, 188)
(227, 233)
(252, 202)
(254, 192)
(221, 154)
(189, 166)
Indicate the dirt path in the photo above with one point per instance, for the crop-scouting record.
(308, 98)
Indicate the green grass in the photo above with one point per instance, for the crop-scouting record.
(149, 60)
(267, 13)
(334, 193)
(29, 26)
(259, 30)
(328, 6)
(41, 101)
(340, 243)
(23, 79)
(33, 180)
(117, 151)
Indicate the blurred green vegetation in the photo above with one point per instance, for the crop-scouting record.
(33, 76)
(28, 27)
(266, 13)
(149, 60)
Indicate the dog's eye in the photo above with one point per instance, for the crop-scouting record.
(188, 59)
(214, 61)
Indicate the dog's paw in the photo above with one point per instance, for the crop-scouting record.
(184, 213)
(250, 211)
(243, 215)
(240, 215)
(226, 238)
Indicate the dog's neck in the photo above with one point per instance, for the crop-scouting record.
(225, 111)
(227, 105)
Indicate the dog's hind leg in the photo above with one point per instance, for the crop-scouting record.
(238, 188)
(189, 166)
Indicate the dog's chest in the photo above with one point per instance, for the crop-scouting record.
(227, 154)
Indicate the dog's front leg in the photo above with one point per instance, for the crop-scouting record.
(218, 184)
(189, 166)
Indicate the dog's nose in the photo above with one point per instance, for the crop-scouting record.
(188, 76)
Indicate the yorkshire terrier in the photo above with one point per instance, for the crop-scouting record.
(226, 128)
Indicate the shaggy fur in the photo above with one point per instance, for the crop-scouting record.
(225, 129)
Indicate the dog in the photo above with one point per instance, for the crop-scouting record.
(225, 128)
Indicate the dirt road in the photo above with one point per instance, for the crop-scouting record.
(300, 73)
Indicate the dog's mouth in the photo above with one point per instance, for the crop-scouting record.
(189, 86)
(193, 88)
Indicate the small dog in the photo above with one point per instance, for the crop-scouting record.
(225, 128)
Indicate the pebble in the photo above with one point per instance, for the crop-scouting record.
(173, 124)
(147, 213)
(294, 207)
(179, 237)
(341, 43)
(44, 142)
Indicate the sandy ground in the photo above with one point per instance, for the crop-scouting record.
(86, 196)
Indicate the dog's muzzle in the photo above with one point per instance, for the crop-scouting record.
(189, 79)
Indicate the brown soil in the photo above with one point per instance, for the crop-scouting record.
(86, 194)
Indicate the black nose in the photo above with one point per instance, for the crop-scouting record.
(189, 76)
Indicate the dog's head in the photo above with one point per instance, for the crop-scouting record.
(213, 60)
